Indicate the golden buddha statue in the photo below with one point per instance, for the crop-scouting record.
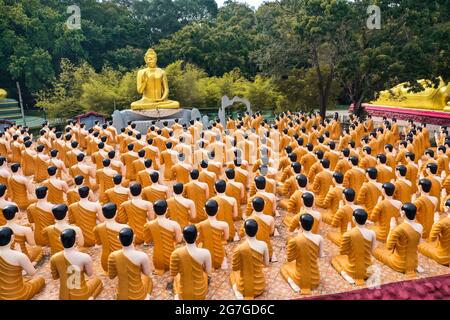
(433, 98)
(152, 83)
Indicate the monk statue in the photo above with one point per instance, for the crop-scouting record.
(143, 176)
(12, 264)
(70, 266)
(426, 206)
(3, 202)
(52, 233)
(355, 176)
(85, 214)
(198, 192)
(403, 188)
(355, 253)
(228, 211)
(117, 194)
(295, 202)
(301, 270)
(40, 213)
(181, 209)
(437, 246)
(164, 234)
(212, 234)
(322, 183)
(307, 207)
(400, 252)
(156, 191)
(23, 235)
(20, 187)
(153, 85)
(333, 198)
(249, 259)
(236, 190)
(370, 191)
(386, 212)
(132, 268)
(343, 217)
(57, 188)
(190, 266)
(136, 212)
(107, 233)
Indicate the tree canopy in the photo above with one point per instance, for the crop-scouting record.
(301, 53)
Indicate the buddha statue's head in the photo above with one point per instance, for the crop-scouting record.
(151, 58)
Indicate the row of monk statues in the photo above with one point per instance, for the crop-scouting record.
(174, 200)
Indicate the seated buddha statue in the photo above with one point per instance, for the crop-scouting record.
(152, 152)
(307, 207)
(266, 225)
(248, 260)
(165, 234)
(386, 212)
(437, 246)
(198, 192)
(132, 268)
(301, 271)
(12, 264)
(189, 267)
(156, 191)
(85, 214)
(57, 188)
(5, 173)
(72, 263)
(370, 191)
(181, 209)
(342, 218)
(153, 85)
(228, 211)
(107, 233)
(40, 214)
(211, 235)
(354, 177)
(436, 181)
(20, 187)
(322, 183)
(52, 233)
(23, 235)
(355, 253)
(400, 252)
(426, 206)
(118, 166)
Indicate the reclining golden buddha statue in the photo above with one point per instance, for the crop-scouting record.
(431, 98)
(153, 85)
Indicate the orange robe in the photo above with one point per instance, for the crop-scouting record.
(301, 265)
(438, 245)
(13, 286)
(190, 281)
(247, 275)
(196, 194)
(136, 219)
(132, 285)
(41, 220)
(163, 245)
(109, 240)
(211, 239)
(85, 288)
(86, 220)
(381, 215)
(354, 256)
